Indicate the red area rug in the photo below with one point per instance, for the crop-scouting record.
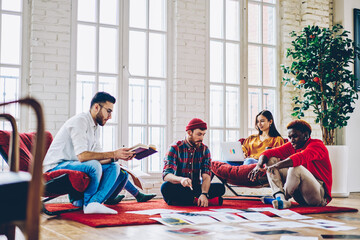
(126, 219)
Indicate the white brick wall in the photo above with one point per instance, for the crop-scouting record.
(189, 57)
(50, 59)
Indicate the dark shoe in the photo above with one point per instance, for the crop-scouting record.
(114, 201)
(141, 197)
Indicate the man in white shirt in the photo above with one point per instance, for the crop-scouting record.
(76, 147)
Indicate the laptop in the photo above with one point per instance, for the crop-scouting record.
(232, 151)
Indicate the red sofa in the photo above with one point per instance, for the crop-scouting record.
(58, 182)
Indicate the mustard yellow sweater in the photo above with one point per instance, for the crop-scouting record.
(253, 146)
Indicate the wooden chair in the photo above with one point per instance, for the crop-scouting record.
(20, 192)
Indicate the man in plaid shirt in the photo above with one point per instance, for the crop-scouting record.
(184, 163)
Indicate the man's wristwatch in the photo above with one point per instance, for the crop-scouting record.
(113, 160)
(206, 194)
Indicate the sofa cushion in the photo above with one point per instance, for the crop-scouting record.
(25, 145)
(78, 180)
(237, 175)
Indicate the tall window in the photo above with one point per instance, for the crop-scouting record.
(262, 59)
(97, 59)
(242, 67)
(10, 55)
(148, 74)
(125, 56)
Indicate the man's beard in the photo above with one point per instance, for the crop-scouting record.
(100, 119)
(191, 140)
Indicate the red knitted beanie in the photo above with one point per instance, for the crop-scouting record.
(196, 123)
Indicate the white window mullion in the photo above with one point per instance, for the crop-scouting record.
(124, 73)
(223, 41)
(97, 45)
(261, 58)
(244, 67)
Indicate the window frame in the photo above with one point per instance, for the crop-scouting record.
(126, 75)
(24, 65)
(243, 65)
(276, 88)
(122, 104)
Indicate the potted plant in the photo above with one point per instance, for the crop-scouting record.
(320, 68)
(321, 59)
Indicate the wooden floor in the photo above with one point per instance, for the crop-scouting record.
(63, 229)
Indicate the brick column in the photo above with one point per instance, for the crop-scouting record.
(189, 59)
(50, 43)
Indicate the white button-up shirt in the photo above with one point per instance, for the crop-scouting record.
(77, 135)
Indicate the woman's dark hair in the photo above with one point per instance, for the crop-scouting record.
(102, 97)
(273, 132)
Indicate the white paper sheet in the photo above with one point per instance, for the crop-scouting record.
(191, 217)
(256, 216)
(220, 228)
(235, 237)
(227, 210)
(262, 209)
(229, 218)
(334, 227)
(154, 211)
(288, 214)
(322, 222)
(289, 237)
(172, 222)
(275, 225)
(328, 225)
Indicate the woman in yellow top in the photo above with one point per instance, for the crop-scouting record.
(268, 136)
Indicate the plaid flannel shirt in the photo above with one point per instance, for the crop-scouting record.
(184, 160)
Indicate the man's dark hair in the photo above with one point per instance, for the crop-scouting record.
(102, 97)
(300, 125)
(202, 129)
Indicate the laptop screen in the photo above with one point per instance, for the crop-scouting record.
(232, 151)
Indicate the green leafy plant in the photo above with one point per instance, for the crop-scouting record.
(320, 70)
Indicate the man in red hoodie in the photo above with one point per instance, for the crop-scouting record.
(300, 169)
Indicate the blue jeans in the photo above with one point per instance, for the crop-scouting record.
(106, 180)
(249, 161)
(131, 189)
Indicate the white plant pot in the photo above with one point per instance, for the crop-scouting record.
(339, 158)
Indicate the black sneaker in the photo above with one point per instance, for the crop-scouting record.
(115, 200)
(141, 197)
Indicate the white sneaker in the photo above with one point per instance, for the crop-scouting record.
(95, 207)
